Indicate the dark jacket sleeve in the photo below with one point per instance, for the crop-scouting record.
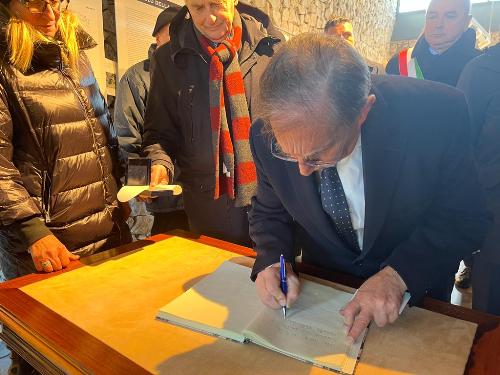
(488, 154)
(456, 222)
(470, 83)
(486, 270)
(18, 209)
(392, 66)
(482, 90)
(270, 223)
(130, 107)
(161, 137)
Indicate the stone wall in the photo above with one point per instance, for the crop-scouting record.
(400, 45)
(373, 21)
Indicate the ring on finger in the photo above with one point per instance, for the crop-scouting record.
(45, 263)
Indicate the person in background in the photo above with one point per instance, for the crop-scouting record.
(445, 47)
(202, 100)
(440, 54)
(342, 27)
(59, 166)
(480, 82)
(130, 107)
(374, 193)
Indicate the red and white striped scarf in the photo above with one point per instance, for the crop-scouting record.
(238, 178)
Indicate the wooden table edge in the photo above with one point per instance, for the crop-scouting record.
(485, 321)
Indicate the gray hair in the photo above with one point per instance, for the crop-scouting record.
(317, 75)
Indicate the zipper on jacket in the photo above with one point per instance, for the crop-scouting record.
(88, 114)
(46, 196)
(190, 96)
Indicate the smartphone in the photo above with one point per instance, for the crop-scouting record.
(138, 171)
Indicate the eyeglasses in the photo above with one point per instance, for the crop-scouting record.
(39, 6)
(277, 152)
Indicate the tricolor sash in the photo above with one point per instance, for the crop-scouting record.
(408, 65)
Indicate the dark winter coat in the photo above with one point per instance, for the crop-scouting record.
(446, 67)
(177, 125)
(480, 81)
(58, 156)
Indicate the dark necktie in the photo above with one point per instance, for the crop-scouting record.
(335, 205)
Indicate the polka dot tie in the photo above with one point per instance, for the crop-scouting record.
(335, 205)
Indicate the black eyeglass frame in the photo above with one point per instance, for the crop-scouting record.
(26, 3)
(278, 153)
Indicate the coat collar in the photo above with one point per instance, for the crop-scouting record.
(383, 144)
(464, 46)
(184, 40)
(46, 55)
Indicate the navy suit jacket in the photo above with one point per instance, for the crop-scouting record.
(424, 209)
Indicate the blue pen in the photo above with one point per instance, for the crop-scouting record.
(283, 284)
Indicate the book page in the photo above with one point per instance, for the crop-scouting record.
(222, 303)
(312, 331)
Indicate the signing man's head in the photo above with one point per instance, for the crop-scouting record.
(315, 96)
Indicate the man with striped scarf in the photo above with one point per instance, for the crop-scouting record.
(203, 97)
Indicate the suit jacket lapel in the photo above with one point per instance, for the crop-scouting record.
(383, 148)
(307, 193)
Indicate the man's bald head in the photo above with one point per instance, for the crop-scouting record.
(445, 22)
(464, 3)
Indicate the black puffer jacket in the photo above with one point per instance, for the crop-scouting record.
(58, 152)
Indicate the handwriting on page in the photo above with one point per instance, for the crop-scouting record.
(308, 332)
(313, 327)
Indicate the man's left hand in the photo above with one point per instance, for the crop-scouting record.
(378, 299)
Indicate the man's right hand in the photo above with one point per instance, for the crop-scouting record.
(49, 254)
(269, 290)
(159, 175)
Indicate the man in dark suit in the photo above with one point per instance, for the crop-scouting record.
(480, 82)
(377, 189)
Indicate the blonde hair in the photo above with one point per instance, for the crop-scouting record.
(22, 38)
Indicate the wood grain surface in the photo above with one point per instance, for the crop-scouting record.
(76, 349)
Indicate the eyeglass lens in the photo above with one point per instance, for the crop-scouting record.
(39, 6)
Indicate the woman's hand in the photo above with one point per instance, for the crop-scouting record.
(49, 254)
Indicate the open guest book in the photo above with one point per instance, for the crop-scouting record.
(225, 304)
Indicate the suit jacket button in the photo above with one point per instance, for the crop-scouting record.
(359, 264)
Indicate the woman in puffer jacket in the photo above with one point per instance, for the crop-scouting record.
(59, 168)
